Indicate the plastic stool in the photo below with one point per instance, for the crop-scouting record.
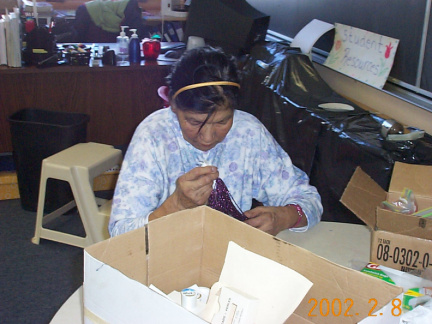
(78, 165)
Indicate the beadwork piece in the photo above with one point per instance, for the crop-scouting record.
(221, 200)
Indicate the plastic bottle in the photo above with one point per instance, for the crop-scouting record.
(122, 43)
(134, 48)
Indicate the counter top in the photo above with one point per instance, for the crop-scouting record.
(61, 68)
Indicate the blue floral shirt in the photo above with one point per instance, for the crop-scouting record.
(249, 160)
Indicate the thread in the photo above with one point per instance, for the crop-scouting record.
(188, 299)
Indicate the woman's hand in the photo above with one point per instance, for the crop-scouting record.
(274, 219)
(194, 187)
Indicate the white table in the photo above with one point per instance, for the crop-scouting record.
(344, 244)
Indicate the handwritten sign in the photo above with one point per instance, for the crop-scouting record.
(362, 55)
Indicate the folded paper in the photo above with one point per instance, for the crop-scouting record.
(273, 288)
(309, 34)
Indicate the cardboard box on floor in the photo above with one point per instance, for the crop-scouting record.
(189, 247)
(398, 241)
(8, 185)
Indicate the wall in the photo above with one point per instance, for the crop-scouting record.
(7, 4)
(402, 20)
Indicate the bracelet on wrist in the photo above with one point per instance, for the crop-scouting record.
(300, 214)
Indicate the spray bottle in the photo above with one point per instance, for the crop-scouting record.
(134, 48)
(122, 42)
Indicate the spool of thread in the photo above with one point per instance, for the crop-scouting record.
(189, 299)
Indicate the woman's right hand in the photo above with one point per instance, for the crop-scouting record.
(194, 187)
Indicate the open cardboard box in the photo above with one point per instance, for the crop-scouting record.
(398, 241)
(189, 247)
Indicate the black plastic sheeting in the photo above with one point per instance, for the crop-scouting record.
(281, 87)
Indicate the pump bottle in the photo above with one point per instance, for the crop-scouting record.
(134, 48)
(122, 42)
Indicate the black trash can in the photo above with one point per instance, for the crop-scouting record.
(37, 134)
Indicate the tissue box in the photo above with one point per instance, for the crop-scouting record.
(189, 247)
(399, 241)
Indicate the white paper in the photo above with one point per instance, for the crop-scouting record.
(278, 288)
(13, 40)
(362, 55)
(235, 308)
(309, 34)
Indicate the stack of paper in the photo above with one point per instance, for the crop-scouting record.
(11, 45)
(3, 55)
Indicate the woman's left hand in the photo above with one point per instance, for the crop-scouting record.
(271, 219)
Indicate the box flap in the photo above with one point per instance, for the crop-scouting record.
(112, 297)
(362, 195)
(176, 256)
(296, 319)
(404, 224)
(126, 253)
(333, 283)
(413, 176)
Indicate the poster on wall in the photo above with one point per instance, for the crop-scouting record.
(362, 55)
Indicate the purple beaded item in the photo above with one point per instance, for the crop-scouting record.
(221, 200)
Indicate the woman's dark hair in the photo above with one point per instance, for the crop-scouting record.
(204, 64)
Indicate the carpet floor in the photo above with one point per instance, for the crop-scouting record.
(35, 280)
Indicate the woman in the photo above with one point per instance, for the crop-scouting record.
(177, 154)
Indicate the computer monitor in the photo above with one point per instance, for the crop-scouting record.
(233, 25)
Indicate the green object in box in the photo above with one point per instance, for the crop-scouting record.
(373, 270)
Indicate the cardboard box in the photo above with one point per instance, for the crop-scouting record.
(189, 247)
(105, 181)
(399, 241)
(8, 185)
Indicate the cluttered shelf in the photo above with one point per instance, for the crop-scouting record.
(66, 68)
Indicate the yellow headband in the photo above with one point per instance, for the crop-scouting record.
(204, 84)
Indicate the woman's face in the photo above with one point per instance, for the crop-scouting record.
(205, 137)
